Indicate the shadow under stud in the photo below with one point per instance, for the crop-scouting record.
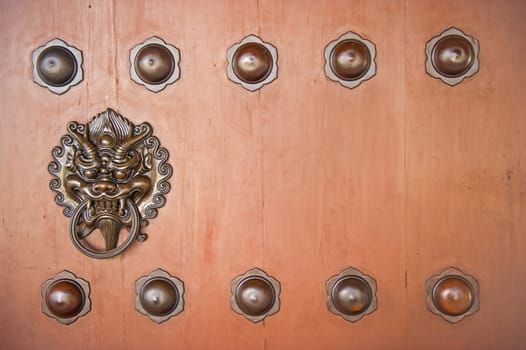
(255, 295)
(154, 64)
(65, 297)
(350, 59)
(452, 56)
(111, 176)
(57, 66)
(351, 294)
(252, 63)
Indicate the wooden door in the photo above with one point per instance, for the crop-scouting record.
(401, 177)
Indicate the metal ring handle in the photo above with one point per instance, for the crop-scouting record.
(134, 232)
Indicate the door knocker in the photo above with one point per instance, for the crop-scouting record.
(111, 176)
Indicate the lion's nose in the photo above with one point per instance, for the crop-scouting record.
(104, 186)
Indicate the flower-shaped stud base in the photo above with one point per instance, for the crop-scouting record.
(154, 64)
(452, 294)
(255, 295)
(159, 296)
(65, 297)
(252, 63)
(452, 56)
(57, 66)
(349, 60)
(351, 294)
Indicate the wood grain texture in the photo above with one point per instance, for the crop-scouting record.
(399, 178)
(465, 175)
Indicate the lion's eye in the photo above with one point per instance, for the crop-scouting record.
(120, 174)
(90, 174)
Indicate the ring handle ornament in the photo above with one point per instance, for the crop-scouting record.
(111, 176)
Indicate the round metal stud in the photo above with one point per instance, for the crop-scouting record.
(452, 295)
(255, 295)
(350, 59)
(65, 297)
(452, 56)
(351, 294)
(252, 63)
(154, 64)
(159, 296)
(57, 66)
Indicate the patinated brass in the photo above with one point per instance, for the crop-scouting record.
(57, 66)
(255, 295)
(111, 176)
(452, 294)
(154, 64)
(159, 296)
(350, 59)
(65, 297)
(351, 294)
(452, 56)
(252, 63)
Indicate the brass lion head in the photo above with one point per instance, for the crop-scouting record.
(111, 176)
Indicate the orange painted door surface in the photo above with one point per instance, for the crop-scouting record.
(400, 177)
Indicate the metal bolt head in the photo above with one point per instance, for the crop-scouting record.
(57, 66)
(452, 56)
(65, 297)
(154, 64)
(351, 294)
(452, 294)
(159, 296)
(255, 295)
(350, 59)
(252, 63)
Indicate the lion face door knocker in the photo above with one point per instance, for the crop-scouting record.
(111, 176)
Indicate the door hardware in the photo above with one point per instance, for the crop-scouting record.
(110, 176)
(159, 296)
(255, 295)
(452, 294)
(452, 56)
(252, 63)
(65, 297)
(154, 64)
(57, 66)
(351, 294)
(350, 59)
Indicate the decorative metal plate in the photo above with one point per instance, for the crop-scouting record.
(159, 296)
(57, 66)
(452, 294)
(255, 295)
(350, 59)
(252, 63)
(66, 297)
(351, 294)
(452, 56)
(154, 64)
(110, 176)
